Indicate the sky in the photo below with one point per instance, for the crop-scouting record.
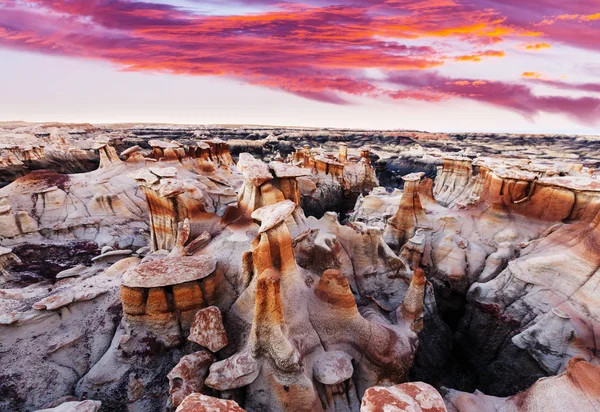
(439, 65)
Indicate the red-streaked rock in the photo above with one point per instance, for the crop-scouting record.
(169, 271)
(208, 330)
(410, 214)
(272, 215)
(236, 371)
(197, 402)
(188, 376)
(407, 397)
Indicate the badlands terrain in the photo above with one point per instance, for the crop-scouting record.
(257, 268)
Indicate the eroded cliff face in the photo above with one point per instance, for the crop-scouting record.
(510, 253)
(186, 280)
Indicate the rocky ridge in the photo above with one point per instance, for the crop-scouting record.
(216, 278)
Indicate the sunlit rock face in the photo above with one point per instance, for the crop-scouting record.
(336, 179)
(577, 388)
(414, 396)
(302, 333)
(517, 241)
(175, 276)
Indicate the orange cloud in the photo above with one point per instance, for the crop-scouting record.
(321, 51)
(532, 75)
(571, 17)
(536, 46)
(479, 56)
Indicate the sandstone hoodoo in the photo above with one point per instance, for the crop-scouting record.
(160, 271)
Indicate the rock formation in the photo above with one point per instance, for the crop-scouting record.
(576, 389)
(157, 270)
(414, 396)
(410, 215)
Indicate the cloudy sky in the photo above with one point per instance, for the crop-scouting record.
(439, 65)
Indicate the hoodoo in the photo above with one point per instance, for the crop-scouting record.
(312, 274)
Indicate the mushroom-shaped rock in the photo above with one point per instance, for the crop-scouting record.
(272, 215)
(197, 402)
(208, 330)
(159, 143)
(333, 367)
(410, 214)
(407, 397)
(188, 376)
(254, 171)
(169, 271)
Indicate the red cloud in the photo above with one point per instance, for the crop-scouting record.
(515, 97)
(319, 51)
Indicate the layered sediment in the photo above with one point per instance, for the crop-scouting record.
(176, 274)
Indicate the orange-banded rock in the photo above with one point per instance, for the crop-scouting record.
(335, 179)
(274, 315)
(303, 345)
(411, 309)
(576, 389)
(219, 152)
(188, 376)
(164, 151)
(534, 190)
(343, 153)
(384, 353)
(454, 181)
(407, 397)
(359, 176)
(273, 248)
(171, 200)
(108, 155)
(301, 157)
(163, 295)
(267, 184)
(377, 272)
(410, 215)
(328, 166)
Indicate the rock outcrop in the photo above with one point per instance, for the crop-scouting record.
(576, 389)
(301, 332)
(169, 277)
(413, 397)
(410, 215)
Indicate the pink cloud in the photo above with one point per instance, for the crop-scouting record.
(319, 50)
(515, 97)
